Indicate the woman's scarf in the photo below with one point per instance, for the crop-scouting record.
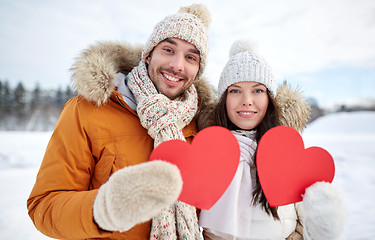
(235, 204)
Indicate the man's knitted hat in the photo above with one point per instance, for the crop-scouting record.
(246, 65)
(189, 24)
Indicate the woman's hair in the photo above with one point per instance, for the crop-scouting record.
(270, 120)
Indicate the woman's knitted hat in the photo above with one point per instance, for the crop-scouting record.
(189, 24)
(246, 65)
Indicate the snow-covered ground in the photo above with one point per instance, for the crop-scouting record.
(20, 156)
(349, 137)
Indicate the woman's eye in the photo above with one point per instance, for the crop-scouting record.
(258, 91)
(234, 91)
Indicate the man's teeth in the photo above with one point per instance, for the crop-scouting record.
(174, 79)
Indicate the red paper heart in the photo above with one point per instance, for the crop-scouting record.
(286, 168)
(207, 165)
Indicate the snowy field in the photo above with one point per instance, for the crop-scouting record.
(349, 137)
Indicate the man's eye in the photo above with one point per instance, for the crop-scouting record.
(168, 50)
(192, 58)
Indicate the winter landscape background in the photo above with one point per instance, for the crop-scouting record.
(349, 137)
(325, 47)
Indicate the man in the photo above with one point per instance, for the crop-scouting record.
(95, 180)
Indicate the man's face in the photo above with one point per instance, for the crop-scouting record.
(172, 66)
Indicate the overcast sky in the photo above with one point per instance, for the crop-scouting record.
(326, 47)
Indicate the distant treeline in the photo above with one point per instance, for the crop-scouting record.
(35, 109)
(38, 109)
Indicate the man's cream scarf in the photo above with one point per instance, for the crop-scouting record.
(164, 119)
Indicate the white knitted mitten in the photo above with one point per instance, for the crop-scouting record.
(135, 194)
(325, 212)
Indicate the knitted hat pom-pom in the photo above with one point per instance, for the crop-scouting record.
(242, 46)
(200, 11)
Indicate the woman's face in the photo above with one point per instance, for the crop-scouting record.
(247, 104)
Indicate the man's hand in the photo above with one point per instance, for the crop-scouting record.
(135, 194)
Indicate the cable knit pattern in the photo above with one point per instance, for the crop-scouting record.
(164, 119)
(190, 24)
(246, 65)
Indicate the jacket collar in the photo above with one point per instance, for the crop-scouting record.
(124, 90)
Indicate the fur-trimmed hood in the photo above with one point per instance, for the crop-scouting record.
(94, 73)
(294, 110)
(94, 78)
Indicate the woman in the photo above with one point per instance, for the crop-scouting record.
(248, 107)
